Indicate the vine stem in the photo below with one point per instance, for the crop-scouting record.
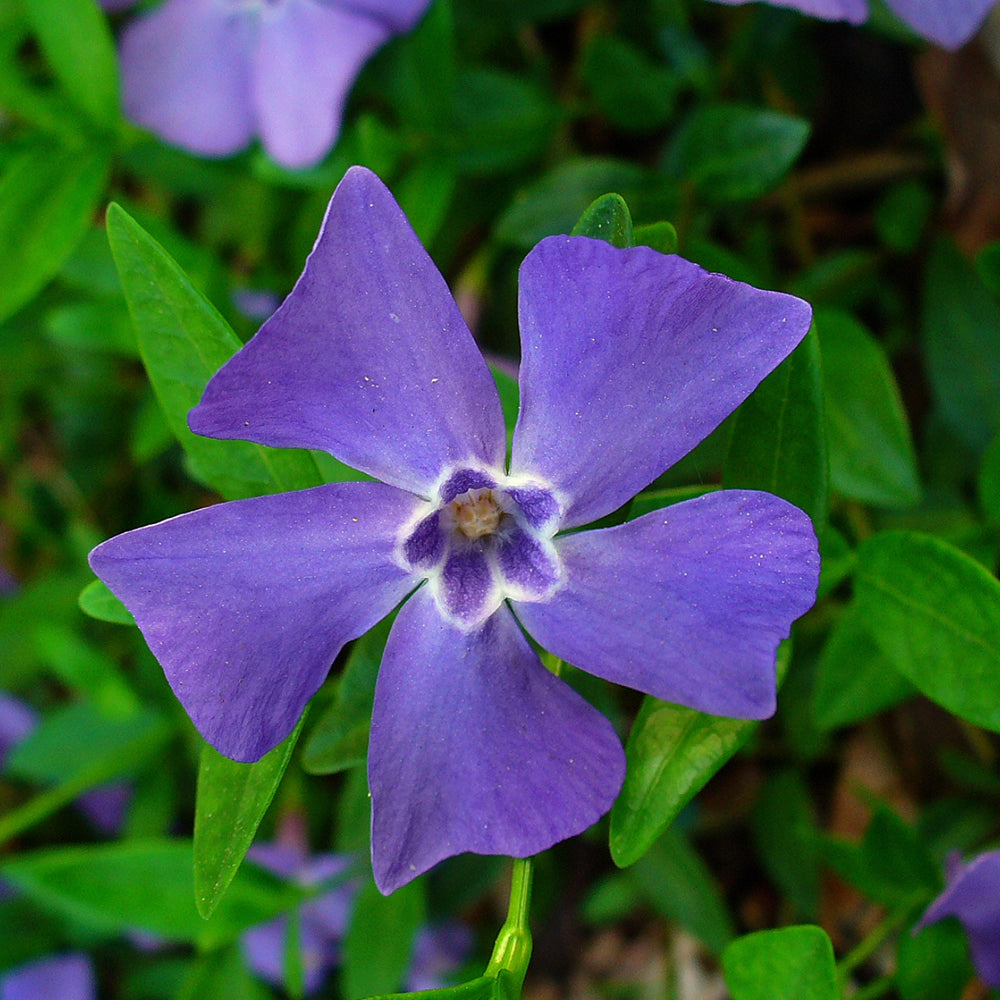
(866, 948)
(512, 950)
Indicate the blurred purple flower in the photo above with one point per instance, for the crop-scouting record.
(104, 806)
(972, 895)
(629, 359)
(439, 949)
(950, 23)
(57, 977)
(209, 75)
(321, 920)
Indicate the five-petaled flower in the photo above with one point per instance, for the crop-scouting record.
(950, 23)
(209, 75)
(628, 359)
(973, 896)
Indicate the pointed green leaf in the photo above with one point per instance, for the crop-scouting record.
(97, 601)
(606, 219)
(854, 679)
(184, 341)
(778, 443)
(672, 751)
(48, 197)
(77, 42)
(871, 452)
(733, 152)
(961, 337)
(231, 801)
(935, 612)
(792, 963)
(661, 236)
(379, 942)
(145, 885)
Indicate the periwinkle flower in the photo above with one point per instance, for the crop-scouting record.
(629, 359)
(55, 977)
(209, 75)
(972, 894)
(950, 23)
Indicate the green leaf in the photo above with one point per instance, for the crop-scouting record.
(145, 885)
(988, 267)
(871, 452)
(97, 601)
(672, 751)
(77, 42)
(500, 122)
(935, 612)
(792, 963)
(961, 337)
(783, 819)
(661, 236)
(483, 988)
(48, 196)
(221, 973)
(339, 739)
(75, 749)
(933, 963)
(778, 442)
(854, 679)
(891, 864)
(902, 215)
(184, 341)
(379, 941)
(733, 152)
(606, 219)
(988, 482)
(555, 203)
(676, 882)
(92, 326)
(231, 801)
(632, 90)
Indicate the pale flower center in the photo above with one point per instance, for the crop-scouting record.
(477, 513)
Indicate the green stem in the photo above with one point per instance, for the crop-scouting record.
(876, 988)
(866, 948)
(512, 951)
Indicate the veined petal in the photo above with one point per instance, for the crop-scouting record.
(688, 603)
(400, 15)
(475, 746)
(367, 358)
(950, 23)
(185, 75)
(628, 359)
(854, 11)
(246, 604)
(306, 58)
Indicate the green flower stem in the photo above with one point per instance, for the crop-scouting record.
(512, 951)
(876, 988)
(866, 948)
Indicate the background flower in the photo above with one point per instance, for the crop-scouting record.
(56, 977)
(950, 23)
(209, 75)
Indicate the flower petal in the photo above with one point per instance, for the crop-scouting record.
(17, 719)
(854, 11)
(368, 358)
(307, 57)
(68, 977)
(400, 15)
(628, 359)
(688, 603)
(246, 604)
(950, 23)
(185, 75)
(973, 896)
(475, 746)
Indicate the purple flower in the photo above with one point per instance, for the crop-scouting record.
(57, 977)
(321, 920)
(950, 23)
(209, 75)
(629, 358)
(973, 895)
